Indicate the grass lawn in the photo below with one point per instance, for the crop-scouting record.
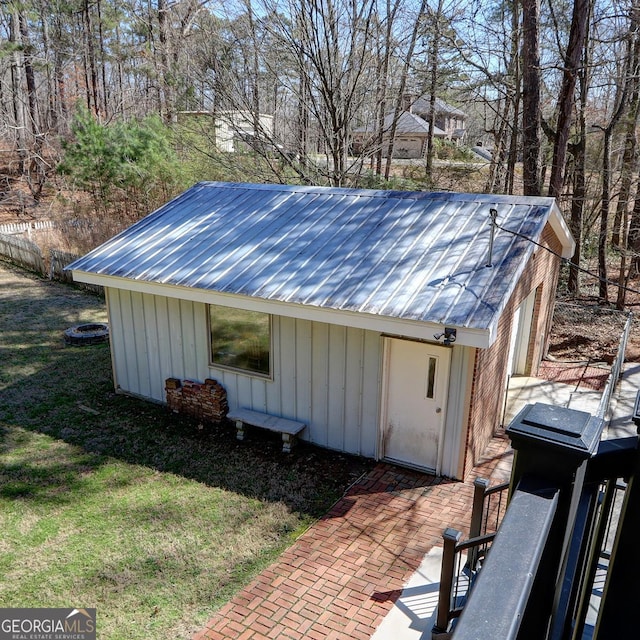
(111, 502)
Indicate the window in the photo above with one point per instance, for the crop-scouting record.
(431, 378)
(240, 339)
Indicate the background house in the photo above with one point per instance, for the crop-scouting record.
(378, 318)
(412, 128)
(448, 118)
(410, 136)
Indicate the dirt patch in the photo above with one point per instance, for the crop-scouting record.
(583, 331)
(584, 343)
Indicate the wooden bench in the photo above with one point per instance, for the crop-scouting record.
(288, 428)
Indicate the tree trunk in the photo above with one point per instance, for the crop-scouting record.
(50, 119)
(516, 92)
(383, 80)
(16, 88)
(577, 208)
(103, 61)
(303, 117)
(578, 200)
(59, 80)
(631, 116)
(402, 85)
(566, 100)
(603, 289)
(531, 97)
(498, 157)
(92, 71)
(633, 239)
(27, 61)
(434, 52)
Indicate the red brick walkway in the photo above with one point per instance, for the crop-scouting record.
(341, 577)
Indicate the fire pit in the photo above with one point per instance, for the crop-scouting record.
(89, 333)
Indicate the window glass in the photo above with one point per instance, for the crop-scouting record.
(240, 339)
(431, 378)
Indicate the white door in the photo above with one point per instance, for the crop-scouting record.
(417, 382)
(513, 343)
(520, 336)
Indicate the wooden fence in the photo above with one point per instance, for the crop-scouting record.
(28, 255)
(58, 260)
(25, 227)
(22, 252)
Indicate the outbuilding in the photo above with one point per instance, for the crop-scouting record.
(388, 322)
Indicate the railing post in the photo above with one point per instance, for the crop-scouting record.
(450, 538)
(480, 486)
(553, 444)
(617, 614)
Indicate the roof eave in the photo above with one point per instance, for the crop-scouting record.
(560, 228)
(419, 330)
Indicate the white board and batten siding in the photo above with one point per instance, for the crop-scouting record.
(326, 375)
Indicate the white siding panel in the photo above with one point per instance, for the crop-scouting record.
(318, 431)
(288, 373)
(458, 403)
(371, 394)
(164, 338)
(156, 381)
(129, 344)
(201, 329)
(245, 394)
(140, 343)
(336, 386)
(353, 389)
(304, 377)
(117, 331)
(175, 339)
(189, 354)
(229, 381)
(325, 375)
(259, 395)
(272, 387)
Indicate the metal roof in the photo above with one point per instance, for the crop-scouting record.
(418, 256)
(407, 123)
(422, 105)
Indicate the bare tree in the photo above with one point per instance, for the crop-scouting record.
(436, 20)
(566, 100)
(402, 85)
(578, 150)
(531, 84)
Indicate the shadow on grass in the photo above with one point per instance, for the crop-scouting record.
(72, 399)
(67, 393)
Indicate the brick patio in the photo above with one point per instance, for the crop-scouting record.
(341, 577)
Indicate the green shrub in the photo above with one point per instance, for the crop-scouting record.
(130, 164)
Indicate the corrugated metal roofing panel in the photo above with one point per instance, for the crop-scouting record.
(409, 255)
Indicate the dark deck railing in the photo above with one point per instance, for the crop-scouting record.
(616, 369)
(527, 526)
(542, 572)
(461, 560)
(538, 577)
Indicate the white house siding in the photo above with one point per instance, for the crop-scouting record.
(326, 375)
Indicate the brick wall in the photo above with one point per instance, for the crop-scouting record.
(206, 401)
(490, 369)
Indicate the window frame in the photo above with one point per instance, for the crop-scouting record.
(227, 367)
